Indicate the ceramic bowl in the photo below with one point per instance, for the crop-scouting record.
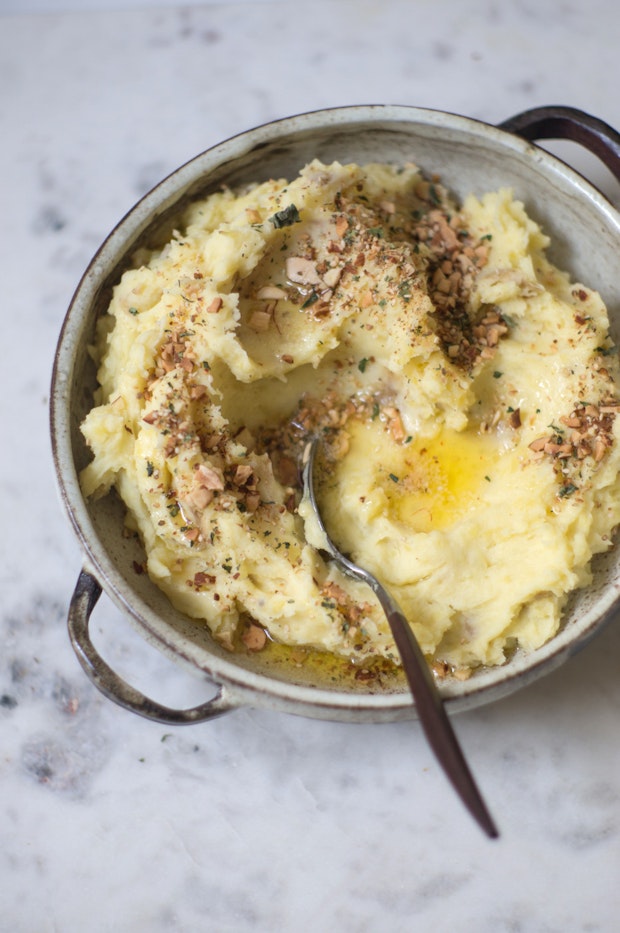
(470, 156)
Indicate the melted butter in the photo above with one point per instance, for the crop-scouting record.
(327, 671)
(428, 483)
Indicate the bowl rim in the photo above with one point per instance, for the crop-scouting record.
(485, 686)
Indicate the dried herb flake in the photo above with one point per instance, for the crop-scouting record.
(286, 217)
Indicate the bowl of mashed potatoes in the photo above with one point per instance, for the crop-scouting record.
(435, 298)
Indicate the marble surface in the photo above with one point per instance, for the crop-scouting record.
(260, 821)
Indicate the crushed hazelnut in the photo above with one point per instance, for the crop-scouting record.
(302, 271)
(215, 305)
(254, 637)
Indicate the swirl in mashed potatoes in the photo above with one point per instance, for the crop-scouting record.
(466, 391)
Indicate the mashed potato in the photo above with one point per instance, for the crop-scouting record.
(465, 389)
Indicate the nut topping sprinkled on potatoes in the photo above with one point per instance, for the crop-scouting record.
(465, 389)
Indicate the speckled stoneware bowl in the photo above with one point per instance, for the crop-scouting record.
(470, 156)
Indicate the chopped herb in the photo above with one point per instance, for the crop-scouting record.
(133, 311)
(284, 218)
(376, 231)
(567, 490)
(393, 477)
(433, 194)
(363, 363)
(310, 300)
(174, 509)
(488, 479)
(404, 290)
(487, 236)
(227, 567)
(497, 374)
(375, 410)
(149, 468)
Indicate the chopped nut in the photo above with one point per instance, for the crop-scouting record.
(302, 271)
(342, 225)
(515, 418)
(332, 276)
(260, 321)
(243, 474)
(252, 501)
(197, 392)
(571, 422)
(539, 443)
(332, 591)
(395, 424)
(201, 578)
(600, 448)
(364, 674)
(201, 497)
(215, 306)
(186, 364)
(254, 637)
(209, 477)
(271, 293)
(591, 435)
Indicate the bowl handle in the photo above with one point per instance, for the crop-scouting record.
(85, 596)
(569, 123)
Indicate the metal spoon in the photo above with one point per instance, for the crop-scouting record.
(430, 708)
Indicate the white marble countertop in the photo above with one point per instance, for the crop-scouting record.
(260, 821)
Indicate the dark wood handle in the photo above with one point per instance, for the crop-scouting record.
(569, 123)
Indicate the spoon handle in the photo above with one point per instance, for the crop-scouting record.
(429, 705)
(433, 717)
